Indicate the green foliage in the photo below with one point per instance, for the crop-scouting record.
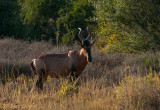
(134, 23)
(33, 19)
(57, 17)
(136, 92)
(67, 88)
(152, 62)
(30, 10)
(10, 23)
(76, 14)
(124, 26)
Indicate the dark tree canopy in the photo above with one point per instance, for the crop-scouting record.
(122, 25)
(57, 17)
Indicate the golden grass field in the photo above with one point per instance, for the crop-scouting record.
(114, 81)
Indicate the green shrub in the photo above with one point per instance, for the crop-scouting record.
(151, 62)
(68, 88)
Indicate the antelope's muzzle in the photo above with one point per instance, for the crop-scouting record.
(89, 55)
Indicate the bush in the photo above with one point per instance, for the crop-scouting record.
(152, 62)
(68, 88)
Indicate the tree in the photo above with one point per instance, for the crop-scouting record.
(10, 23)
(128, 26)
(58, 17)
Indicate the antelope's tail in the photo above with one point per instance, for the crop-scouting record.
(33, 68)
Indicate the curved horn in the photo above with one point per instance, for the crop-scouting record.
(80, 34)
(89, 36)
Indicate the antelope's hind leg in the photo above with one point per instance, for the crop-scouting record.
(41, 79)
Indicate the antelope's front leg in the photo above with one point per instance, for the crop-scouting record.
(73, 76)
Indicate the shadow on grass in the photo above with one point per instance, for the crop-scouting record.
(10, 72)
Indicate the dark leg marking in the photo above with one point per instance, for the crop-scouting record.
(39, 83)
(73, 76)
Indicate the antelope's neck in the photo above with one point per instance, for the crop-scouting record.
(82, 56)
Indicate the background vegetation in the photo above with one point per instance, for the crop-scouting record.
(129, 26)
(125, 26)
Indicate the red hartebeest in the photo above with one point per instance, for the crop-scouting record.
(62, 65)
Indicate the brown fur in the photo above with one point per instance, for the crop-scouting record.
(59, 65)
(62, 65)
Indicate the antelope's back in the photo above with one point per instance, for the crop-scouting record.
(57, 64)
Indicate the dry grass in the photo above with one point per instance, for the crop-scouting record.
(109, 82)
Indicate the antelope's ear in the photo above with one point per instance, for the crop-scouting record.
(79, 43)
(93, 42)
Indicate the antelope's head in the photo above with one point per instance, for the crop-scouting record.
(86, 45)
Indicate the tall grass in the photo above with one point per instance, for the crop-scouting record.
(112, 81)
